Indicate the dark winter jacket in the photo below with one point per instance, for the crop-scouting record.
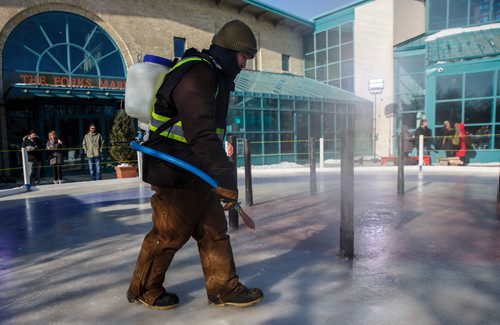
(198, 93)
(427, 133)
(34, 147)
(447, 136)
(56, 155)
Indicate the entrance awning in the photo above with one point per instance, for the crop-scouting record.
(259, 82)
(29, 91)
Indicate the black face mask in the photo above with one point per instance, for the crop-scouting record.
(228, 60)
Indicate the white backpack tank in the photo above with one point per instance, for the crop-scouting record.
(143, 81)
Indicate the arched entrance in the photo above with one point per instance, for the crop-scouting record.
(61, 71)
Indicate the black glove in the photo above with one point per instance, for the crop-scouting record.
(227, 196)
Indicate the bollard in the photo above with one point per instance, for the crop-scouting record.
(347, 191)
(420, 151)
(312, 167)
(26, 174)
(321, 153)
(248, 174)
(401, 164)
(231, 150)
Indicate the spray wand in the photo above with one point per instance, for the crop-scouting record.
(192, 169)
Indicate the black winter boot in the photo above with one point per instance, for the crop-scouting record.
(168, 300)
(241, 296)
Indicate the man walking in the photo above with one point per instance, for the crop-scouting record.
(34, 146)
(189, 122)
(92, 145)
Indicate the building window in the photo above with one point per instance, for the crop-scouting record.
(469, 98)
(449, 87)
(179, 47)
(410, 88)
(459, 13)
(321, 40)
(285, 62)
(251, 65)
(331, 58)
(479, 11)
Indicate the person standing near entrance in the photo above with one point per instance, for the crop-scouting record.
(56, 156)
(191, 107)
(34, 147)
(92, 146)
(447, 144)
(427, 133)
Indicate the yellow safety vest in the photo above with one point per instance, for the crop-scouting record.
(176, 132)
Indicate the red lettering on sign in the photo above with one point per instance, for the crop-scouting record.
(66, 81)
(24, 78)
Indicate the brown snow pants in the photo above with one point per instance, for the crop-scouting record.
(179, 214)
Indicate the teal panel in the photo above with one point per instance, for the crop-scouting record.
(337, 17)
(334, 19)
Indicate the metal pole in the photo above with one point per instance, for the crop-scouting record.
(321, 153)
(374, 127)
(312, 164)
(232, 153)
(498, 191)
(248, 174)
(347, 191)
(401, 166)
(139, 163)
(24, 155)
(420, 151)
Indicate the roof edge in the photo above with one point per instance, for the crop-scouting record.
(347, 6)
(280, 12)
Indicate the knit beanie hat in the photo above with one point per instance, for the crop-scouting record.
(237, 36)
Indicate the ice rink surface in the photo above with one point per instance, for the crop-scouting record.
(431, 256)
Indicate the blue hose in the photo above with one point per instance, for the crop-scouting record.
(174, 161)
(190, 168)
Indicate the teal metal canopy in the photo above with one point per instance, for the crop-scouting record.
(258, 82)
(415, 43)
(464, 44)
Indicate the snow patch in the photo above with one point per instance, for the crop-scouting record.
(456, 31)
(124, 165)
(285, 164)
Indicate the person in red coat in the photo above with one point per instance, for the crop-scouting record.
(460, 132)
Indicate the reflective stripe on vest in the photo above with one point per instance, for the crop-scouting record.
(176, 132)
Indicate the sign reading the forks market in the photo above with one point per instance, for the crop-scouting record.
(65, 81)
